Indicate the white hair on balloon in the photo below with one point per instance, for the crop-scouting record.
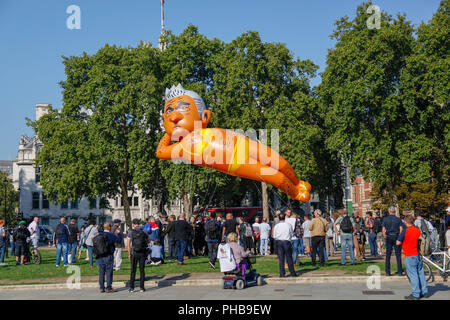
(176, 91)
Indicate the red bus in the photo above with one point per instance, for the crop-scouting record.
(248, 213)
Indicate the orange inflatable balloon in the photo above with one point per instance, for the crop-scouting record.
(187, 138)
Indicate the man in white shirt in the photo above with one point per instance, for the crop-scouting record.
(264, 229)
(295, 242)
(283, 234)
(307, 234)
(34, 232)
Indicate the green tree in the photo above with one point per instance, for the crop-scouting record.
(12, 200)
(103, 140)
(360, 96)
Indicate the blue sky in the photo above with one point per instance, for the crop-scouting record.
(34, 36)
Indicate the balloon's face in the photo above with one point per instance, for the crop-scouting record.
(180, 114)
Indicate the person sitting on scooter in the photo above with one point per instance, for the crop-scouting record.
(239, 254)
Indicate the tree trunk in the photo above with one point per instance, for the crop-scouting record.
(126, 207)
(186, 205)
(265, 200)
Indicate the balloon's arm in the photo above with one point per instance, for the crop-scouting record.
(164, 150)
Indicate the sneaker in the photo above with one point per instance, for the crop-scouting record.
(142, 290)
(426, 296)
(66, 265)
(152, 263)
(19, 263)
(102, 290)
(181, 263)
(156, 263)
(411, 297)
(364, 259)
(212, 265)
(131, 290)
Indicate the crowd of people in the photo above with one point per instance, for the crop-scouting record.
(288, 235)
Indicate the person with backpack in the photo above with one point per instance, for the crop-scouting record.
(137, 246)
(91, 232)
(409, 240)
(62, 242)
(104, 246)
(212, 231)
(20, 238)
(424, 227)
(291, 218)
(346, 228)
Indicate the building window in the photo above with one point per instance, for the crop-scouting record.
(103, 203)
(136, 201)
(65, 204)
(37, 174)
(121, 201)
(45, 203)
(74, 204)
(35, 200)
(44, 221)
(93, 203)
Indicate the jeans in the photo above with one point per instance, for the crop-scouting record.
(373, 244)
(181, 248)
(390, 242)
(64, 247)
(13, 249)
(347, 241)
(284, 252)
(301, 246)
(414, 267)
(91, 255)
(263, 249)
(212, 251)
(135, 259)
(172, 248)
(295, 249)
(2, 252)
(73, 249)
(105, 268)
(188, 247)
(318, 242)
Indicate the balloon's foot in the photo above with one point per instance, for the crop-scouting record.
(304, 186)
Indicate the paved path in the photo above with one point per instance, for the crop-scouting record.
(328, 291)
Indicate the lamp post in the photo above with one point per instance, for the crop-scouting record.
(6, 184)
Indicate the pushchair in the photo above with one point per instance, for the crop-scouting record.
(237, 275)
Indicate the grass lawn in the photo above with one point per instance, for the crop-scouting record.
(47, 272)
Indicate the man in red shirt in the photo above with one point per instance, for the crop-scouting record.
(409, 240)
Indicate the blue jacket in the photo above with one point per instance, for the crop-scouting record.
(64, 236)
(112, 240)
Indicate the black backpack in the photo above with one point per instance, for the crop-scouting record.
(101, 246)
(346, 225)
(377, 225)
(139, 241)
(212, 230)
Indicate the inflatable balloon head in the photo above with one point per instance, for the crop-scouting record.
(183, 107)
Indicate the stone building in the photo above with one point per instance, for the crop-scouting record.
(33, 202)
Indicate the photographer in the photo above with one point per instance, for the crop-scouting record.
(359, 238)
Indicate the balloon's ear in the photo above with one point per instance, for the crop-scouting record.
(206, 117)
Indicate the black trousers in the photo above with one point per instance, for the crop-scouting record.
(318, 242)
(390, 242)
(284, 252)
(248, 244)
(135, 259)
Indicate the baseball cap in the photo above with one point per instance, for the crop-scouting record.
(22, 222)
(118, 221)
(135, 221)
